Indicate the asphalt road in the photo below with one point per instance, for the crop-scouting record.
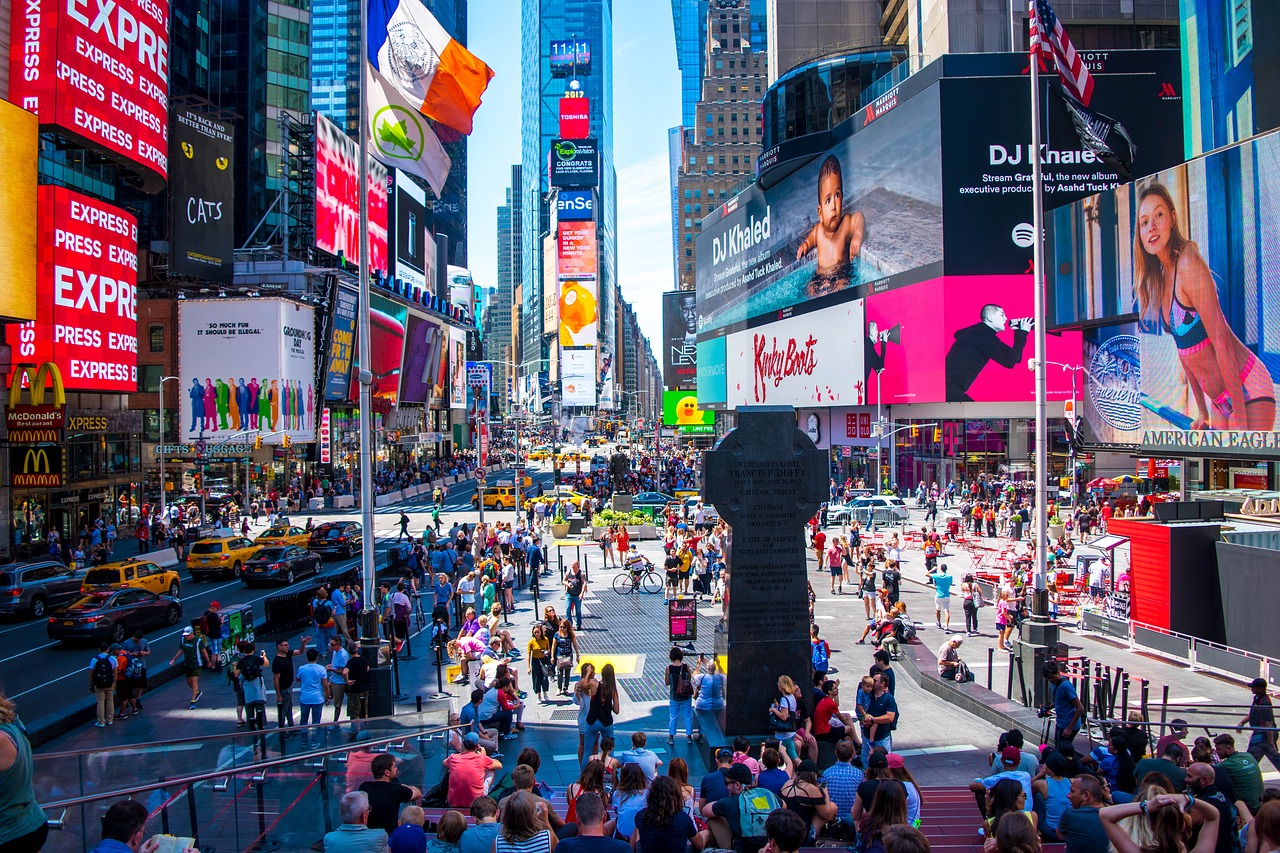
(48, 678)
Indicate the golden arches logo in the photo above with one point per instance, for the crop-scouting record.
(35, 378)
(36, 461)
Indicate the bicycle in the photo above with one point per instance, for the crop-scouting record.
(638, 580)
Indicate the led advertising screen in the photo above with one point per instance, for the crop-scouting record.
(575, 205)
(972, 345)
(387, 336)
(202, 184)
(479, 389)
(579, 312)
(409, 236)
(575, 117)
(680, 339)
(342, 344)
(576, 249)
(457, 376)
(569, 56)
(338, 198)
(575, 163)
(86, 293)
(800, 361)
(578, 376)
(100, 72)
(867, 211)
(19, 134)
(680, 409)
(1195, 263)
(985, 168)
(264, 352)
(712, 370)
(423, 344)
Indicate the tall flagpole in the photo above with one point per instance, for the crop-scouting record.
(369, 615)
(1041, 601)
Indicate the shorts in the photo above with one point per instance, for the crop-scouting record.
(190, 672)
(942, 603)
(673, 578)
(508, 584)
(869, 595)
(139, 683)
(836, 571)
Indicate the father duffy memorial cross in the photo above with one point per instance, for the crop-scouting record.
(766, 479)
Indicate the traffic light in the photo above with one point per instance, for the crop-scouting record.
(937, 435)
(257, 442)
(286, 441)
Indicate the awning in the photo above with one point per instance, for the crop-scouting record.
(1108, 543)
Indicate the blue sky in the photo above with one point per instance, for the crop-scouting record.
(646, 101)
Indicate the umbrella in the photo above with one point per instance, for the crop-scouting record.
(1098, 483)
(1126, 478)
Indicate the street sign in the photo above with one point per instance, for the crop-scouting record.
(479, 475)
(205, 449)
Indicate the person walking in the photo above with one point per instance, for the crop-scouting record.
(538, 653)
(138, 650)
(575, 587)
(282, 679)
(404, 528)
(942, 582)
(679, 682)
(190, 648)
(565, 650)
(970, 595)
(313, 694)
(322, 617)
(337, 674)
(103, 672)
(1261, 719)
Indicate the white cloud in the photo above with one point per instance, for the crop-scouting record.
(645, 265)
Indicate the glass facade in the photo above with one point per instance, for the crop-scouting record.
(940, 450)
(820, 95)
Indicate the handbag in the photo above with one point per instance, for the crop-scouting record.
(684, 684)
(777, 724)
(564, 661)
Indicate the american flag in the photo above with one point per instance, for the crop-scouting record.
(1050, 40)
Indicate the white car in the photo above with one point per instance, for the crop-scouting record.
(883, 509)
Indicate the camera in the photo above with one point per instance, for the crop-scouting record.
(1044, 711)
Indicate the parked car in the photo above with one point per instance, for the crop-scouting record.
(219, 557)
(34, 587)
(112, 614)
(280, 565)
(132, 573)
(883, 509)
(344, 538)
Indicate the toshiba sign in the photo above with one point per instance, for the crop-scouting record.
(99, 70)
(575, 117)
(86, 301)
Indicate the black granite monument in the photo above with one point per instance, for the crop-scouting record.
(766, 479)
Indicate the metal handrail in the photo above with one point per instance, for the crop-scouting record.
(243, 733)
(257, 768)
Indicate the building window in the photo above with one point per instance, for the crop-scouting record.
(150, 377)
(155, 336)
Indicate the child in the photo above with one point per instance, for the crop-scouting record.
(861, 700)
(837, 236)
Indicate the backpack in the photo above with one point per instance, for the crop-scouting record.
(135, 668)
(906, 629)
(322, 610)
(754, 807)
(104, 672)
(821, 658)
(250, 667)
(684, 683)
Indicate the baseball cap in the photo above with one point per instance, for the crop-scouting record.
(188, 631)
(1010, 755)
(894, 760)
(213, 605)
(740, 773)
(471, 739)
(809, 766)
(877, 759)
(722, 754)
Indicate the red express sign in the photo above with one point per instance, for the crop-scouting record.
(86, 299)
(99, 69)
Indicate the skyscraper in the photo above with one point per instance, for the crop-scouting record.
(542, 22)
(497, 331)
(805, 29)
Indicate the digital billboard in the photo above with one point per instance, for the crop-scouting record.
(338, 198)
(568, 56)
(265, 357)
(100, 72)
(986, 174)
(457, 376)
(414, 250)
(575, 163)
(19, 134)
(810, 360)
(576, 249)
(680, 409)
(86, 293)
(971, 345)
(680, 339)
(342, 344)
(202, 186)
(869, 210)
(575, 117)
(575, 205)
(579, 312)
(712, 370)
(578, 376)
(479, 389)
(1194, 270)
(387, 334)
(423, 346)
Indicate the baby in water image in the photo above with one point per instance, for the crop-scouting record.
(837, 236)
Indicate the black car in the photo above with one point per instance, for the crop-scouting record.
(112, 614)
(280, 565)
(337, 537)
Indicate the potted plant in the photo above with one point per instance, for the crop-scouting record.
(559, 526)
(1055, 526)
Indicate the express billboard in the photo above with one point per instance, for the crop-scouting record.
(680, 409)
(202, 185)
(99, 73)
(412, 257)
(264, 354)
(578, 376)
(342, 344)
(986, 174)
(1191, 258)
(680, 339)
(86, 293)
(869, 210)
(575, 163)
(337, 222)
(19, 136)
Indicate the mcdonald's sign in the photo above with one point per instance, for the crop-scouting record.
(37, 421)
(35, 465)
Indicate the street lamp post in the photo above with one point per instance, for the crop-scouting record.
(163, 379)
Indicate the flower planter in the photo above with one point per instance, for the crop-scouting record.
(560, 531)
(1055, 530)
(642, 531)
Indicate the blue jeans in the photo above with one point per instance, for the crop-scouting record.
(323, 636)
(868, 744)
(572, 603)
(679, 709)
(312, 714)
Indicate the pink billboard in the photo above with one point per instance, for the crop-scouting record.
(962, 339)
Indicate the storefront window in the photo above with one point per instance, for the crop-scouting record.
(30, 525)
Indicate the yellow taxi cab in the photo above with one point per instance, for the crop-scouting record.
(283, 536)
(210, 557)
(558, 494)
(539, 455)
(131, 574)
(499, 497)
